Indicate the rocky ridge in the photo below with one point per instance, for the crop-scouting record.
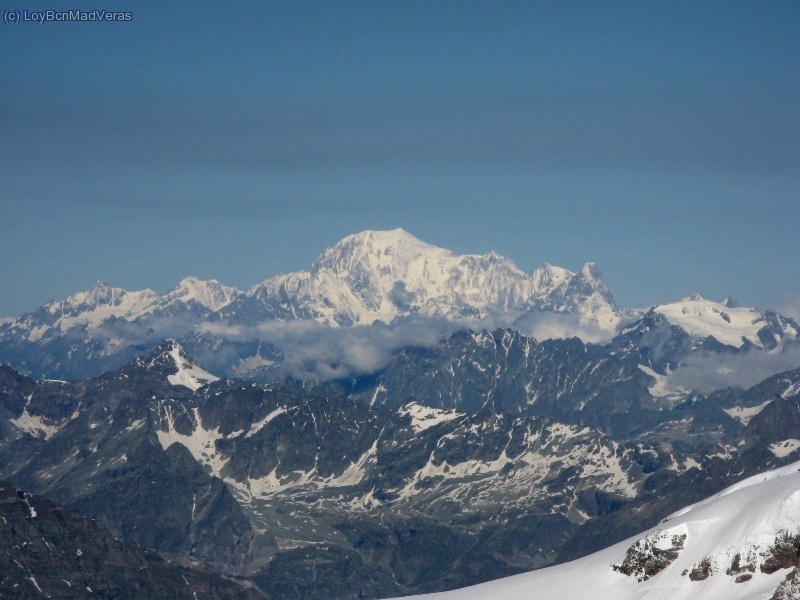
(269, 481)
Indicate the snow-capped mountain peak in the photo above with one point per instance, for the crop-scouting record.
(729, 325)
(590, 283)
(380, 275)
(117, 302)
(547, 278)
(90, 307)
(364, 278)
(211, 294)
(591, 272)
(394, 251)
(695, 297)
(101, 295)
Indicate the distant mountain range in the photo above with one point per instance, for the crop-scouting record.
(406, 484)
(396, 420)
(372, 295)
(366, 277)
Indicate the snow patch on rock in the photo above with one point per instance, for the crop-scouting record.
(38, 426)
(201, 443)
(784, 448)
(425, 417)
(744, 414)
(190, 374)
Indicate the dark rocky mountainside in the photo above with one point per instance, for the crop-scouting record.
(572, 382)
(88, 445)
(49, 551)
(479, 459)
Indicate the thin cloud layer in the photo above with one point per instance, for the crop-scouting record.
(790, 306)
(316, 352)
(707, 372)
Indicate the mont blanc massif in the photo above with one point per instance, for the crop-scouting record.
(399, 420)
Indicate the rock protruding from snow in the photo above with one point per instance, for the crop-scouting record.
(651, 555)
(789, 589)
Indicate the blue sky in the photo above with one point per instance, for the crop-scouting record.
(236, 140)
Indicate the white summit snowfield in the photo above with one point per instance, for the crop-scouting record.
(741, 543)
(726, 322)
(381, 275)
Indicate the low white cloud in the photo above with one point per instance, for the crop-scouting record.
(789, 306)
(120, 334)
(544, 325)
(309, 350)
(557, 326)
(707, 372)
(318, 352)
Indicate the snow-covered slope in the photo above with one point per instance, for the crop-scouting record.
(728, 323)
(740, 543)
(211, 294)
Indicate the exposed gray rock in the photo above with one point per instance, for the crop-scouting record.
(648, 556)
